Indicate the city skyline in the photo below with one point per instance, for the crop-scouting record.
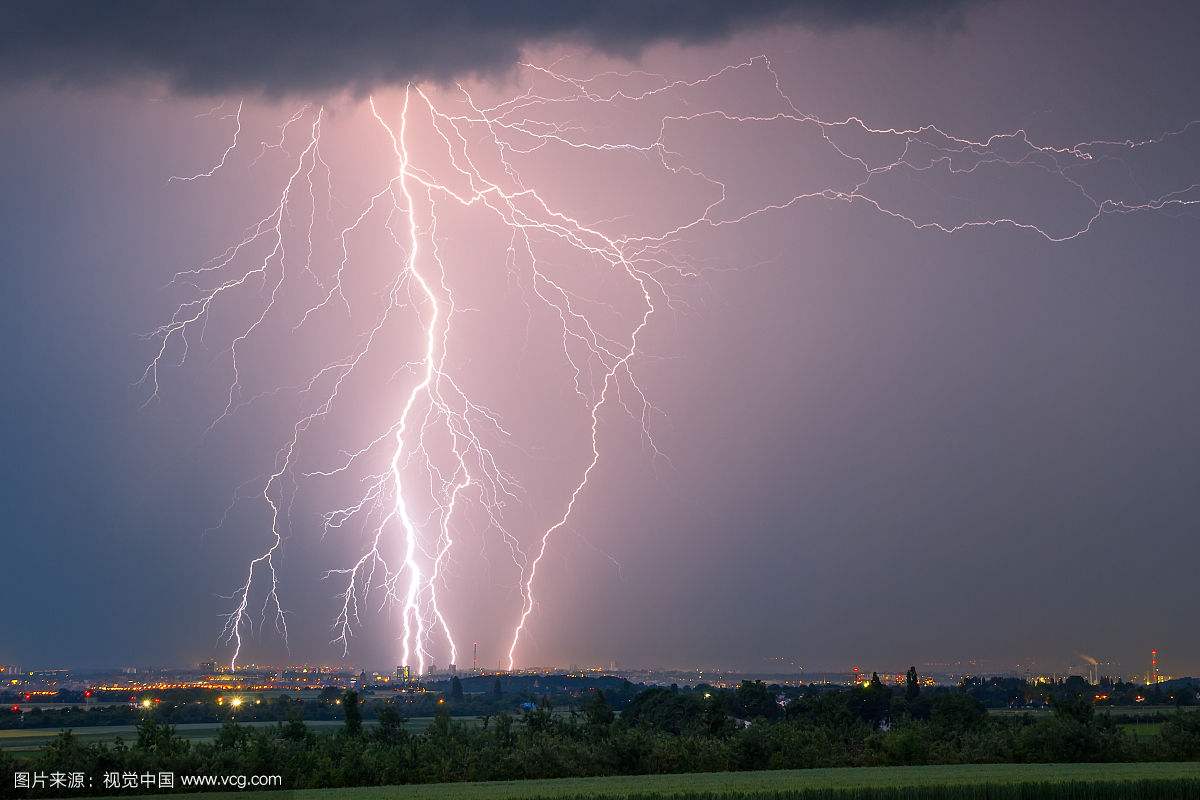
(1157, 666)
(1154, 671)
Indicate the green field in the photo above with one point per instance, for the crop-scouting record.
(27, 740)
(1115, 711)
(952, 781)
(1143, 730)
(31, 739)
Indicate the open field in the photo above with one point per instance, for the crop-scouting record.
(31, 739)
(1116, 711)
(19, 740)
(27, 740)
(965, 780)
(1143, 730)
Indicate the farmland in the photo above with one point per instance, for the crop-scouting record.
(28, 740)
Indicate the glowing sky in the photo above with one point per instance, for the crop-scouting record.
(879, 445)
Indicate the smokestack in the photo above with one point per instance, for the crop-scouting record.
(1093, 670)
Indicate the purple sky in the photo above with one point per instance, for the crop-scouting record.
(881, 445)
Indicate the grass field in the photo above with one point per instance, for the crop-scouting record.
(1143, 730)
(28, 740)
(964, 780)
(1116, 711)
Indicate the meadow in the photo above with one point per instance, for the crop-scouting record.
(29, 740)
(1113, 711)
(1144, 730)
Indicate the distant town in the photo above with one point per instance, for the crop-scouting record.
(307, 726)
(45, 689)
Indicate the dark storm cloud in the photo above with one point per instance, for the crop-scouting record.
(305, 45)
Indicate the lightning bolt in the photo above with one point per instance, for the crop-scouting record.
(444, 451)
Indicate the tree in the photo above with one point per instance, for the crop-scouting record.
(597, 711)
(456, 690)
(1075, 707)
(871, 703)
(441, 726)
(497, 690)
(539, 720)
(352, 712)
(715, 715)
(1181, 736)
(504, 728)
(912, 689)
(294, 730)
(754, 699)
(8, 766)
(231, 736)
(391, 728)
(148, 734)
(952, 711)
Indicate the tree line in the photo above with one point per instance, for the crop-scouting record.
(659, 730)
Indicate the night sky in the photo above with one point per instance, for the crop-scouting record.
(881, 445)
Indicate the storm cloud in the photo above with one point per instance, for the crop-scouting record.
(322, 46)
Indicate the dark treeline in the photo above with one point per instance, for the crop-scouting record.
(472, 696)
(1020, 693)
(659, 730)
(489, 695)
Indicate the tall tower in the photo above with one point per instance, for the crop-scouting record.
(1153, 666)
(475, 658)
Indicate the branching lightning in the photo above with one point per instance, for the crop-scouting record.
(444, 449)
